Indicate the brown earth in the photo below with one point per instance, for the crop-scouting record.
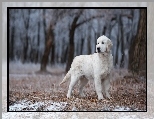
(126, 91)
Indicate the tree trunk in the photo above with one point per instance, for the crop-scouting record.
(82, 42)
(89, 41)
(118, 42)
(89, 45)
(65, 54)
(104, 30)
(71, 44)
(25, 47)
(38, 42)
(53, 52)
(70, 49)
(12, 43)
(26, 42)
(44, 25)
(117, 48)
(74, 25)
(137, 52)
(50, 37)
(122, 43)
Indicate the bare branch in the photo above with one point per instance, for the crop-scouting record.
(91, 18)
(127, 15)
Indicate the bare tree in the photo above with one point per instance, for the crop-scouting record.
(120, 45)
(26, 18)
(137, 53)
(49, 37)
(38, 39)
(63, 30)
(73, 27)
(71, 41)
(82, 42)
(44, 25)
(11, 33)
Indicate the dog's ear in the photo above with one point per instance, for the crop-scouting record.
(109, 45)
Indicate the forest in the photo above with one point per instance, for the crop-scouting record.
(53, 37)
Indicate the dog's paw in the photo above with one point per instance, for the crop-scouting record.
(100, 98)
(108, 95)
(68, 96)
(82, 95)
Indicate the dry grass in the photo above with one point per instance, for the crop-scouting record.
(126, 90)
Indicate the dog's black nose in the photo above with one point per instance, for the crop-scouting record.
(98, 49)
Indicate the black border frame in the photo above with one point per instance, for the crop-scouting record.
(67, 8)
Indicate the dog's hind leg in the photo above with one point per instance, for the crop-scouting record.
(74, 80)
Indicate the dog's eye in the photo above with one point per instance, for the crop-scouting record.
(102, 42)
(97, 43)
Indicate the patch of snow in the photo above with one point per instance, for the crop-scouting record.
(121, 109)
(118, 108)
(43, 106)
(17, 107)
(56, 106)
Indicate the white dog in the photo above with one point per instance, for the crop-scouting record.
(96, 66)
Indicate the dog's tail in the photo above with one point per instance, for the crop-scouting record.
(67, 77)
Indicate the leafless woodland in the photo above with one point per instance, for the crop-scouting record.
(43, 43)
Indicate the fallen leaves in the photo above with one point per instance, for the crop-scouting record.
(127, 93)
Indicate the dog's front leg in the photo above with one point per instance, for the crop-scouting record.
(107, 86)
(98, 87)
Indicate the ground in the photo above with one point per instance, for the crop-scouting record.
(30, 91)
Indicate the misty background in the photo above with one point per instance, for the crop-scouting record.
(62, 34)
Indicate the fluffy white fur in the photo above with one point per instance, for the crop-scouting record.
(96, 66)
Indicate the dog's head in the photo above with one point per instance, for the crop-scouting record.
(104, 44)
